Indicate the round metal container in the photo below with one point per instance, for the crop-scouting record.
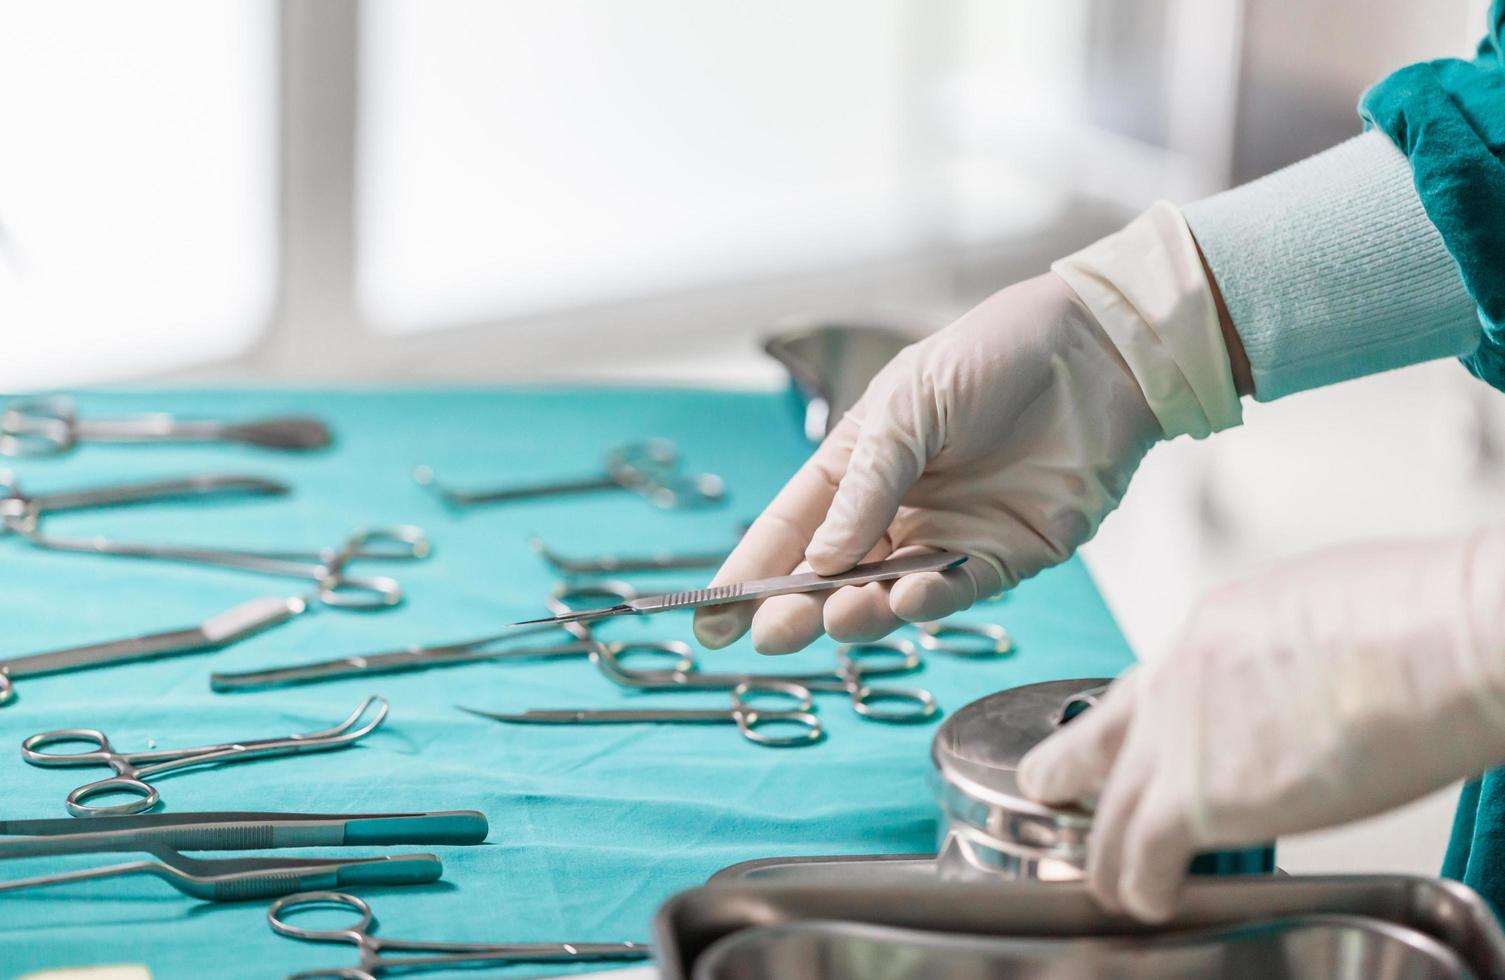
(988, 826)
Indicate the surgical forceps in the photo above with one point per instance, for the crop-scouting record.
(855, 664)
(49, 425)
(133, 769)
(878, 571)
(214, 633)
(743, 712)
(428, 954)
(485, 649)
(648, 468)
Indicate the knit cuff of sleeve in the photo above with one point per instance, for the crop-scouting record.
(1146, 287)
(1331, 270)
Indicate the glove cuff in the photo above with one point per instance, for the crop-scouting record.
(1146, 287)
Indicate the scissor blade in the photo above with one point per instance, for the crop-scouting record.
(128, 493)
(582, 616)
(877, 571)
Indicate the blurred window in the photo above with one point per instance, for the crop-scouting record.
(137, 185)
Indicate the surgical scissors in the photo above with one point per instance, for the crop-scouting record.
(49, 425)
(325, 567)
(22, 513)
(429, 954)
(214, 633)
(133, 769)
(855, 664)
(934, 636)
(480, 650)
(743, 712)
(659, 561)
(648, 468)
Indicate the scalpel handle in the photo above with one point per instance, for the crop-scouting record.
(877, 571)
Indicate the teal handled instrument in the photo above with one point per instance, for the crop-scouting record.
(878, 571)
(426, 954)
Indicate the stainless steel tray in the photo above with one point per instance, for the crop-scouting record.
(691, 922)
(1303, 948)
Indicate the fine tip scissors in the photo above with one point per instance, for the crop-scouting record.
(439, 955)
(744, 712)
(878, 571)
(49, 424)
(133, 769)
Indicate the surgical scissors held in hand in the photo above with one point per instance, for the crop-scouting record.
(133, 769)
(428, 954)
(855, 664)
(717, 595)
(743, 712)
(648, 468)
(49, 425)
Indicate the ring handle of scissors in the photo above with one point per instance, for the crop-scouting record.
(877, 658)
(340, 591)
(898, 705)
(102, 752)
(307, 902)
(753, 718)
(145, 793)
(388, 542)
(652, 469)
(43, 426)
(565, 594)
(611, 658)
(932, 637)
(7, 689)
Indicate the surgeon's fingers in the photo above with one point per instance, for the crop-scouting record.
(936, 595)
(1072, 765)
(776, 541)
(788, 623)
(1156, 852)
(859, 614)
(1115, 812)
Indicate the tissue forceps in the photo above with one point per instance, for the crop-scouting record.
(214, 633)
(743, 712)
(648, 468)
(133, 769)
(855, 665)
(428, 954)
(878, 571)
(49, 425)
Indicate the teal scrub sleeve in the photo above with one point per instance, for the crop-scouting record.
(1448, 117)
(1330, 270)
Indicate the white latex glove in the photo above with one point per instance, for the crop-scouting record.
(1321, 691)
(1009, 435)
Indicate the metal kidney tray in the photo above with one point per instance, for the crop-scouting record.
(1302, 948)
(690, 923)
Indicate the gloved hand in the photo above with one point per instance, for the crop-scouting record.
(1321, 691)
(1009, 435)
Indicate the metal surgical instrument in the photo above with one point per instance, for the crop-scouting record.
(659, 561)
(133, 769)
(49, 425)
(855, 664)
(958, 638)
(214, 633)
(437, 955)
(878, 571)
(648, 468)
(216, 830)
(21, 513)
(496, 647)
(743, 712)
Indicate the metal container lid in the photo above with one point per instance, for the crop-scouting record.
(976, 753)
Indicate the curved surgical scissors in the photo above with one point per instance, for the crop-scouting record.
(325, 567)
(133, 769)
(49, 425)
(855, 664)
(743, 712)
(429, 954)
(934, 636)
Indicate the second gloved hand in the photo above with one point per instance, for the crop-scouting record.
(1324, 690)
(1008, 436)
